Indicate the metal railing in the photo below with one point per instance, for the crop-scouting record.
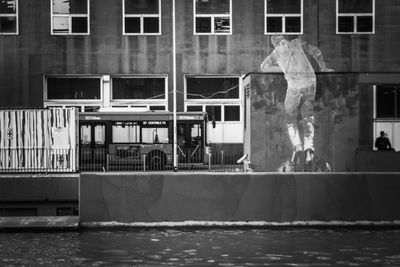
(37, 160)
(24, 160)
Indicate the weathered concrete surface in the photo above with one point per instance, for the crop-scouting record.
(24, 58)
(36, 187)
(377, 161)
(270, 197)
(39, 222)
(336, 113)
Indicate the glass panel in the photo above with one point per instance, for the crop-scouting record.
(212, 6)
(79, 25)
(203, 25)
(125, 132)
(214, 113)
(385, 102)
(346, 24)
(232, 113)
(274, 24)
(194, 108)
(398, 102)
(155, 135)
(70, 6)
(195, 134)
(221, 25)
(8, 6)
(92, 109)
(60, 25)
(293, 24)
(73, 88)
(86, 134)
(99, 134)
(151, 25)
(141, 7)
(364, 24)
(283, 6)
(355, 6)
(212, 88)
(8, 24)
(132, 25)
(138, 88)
(157, 107)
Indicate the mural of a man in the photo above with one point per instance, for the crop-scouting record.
(290, 58)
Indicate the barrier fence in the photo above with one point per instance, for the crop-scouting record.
(131, 160)
(36, 160)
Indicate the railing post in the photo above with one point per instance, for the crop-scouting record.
(209, 162)
(107, 162)
(222, 157)
(144, 162)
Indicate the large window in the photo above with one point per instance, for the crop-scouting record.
(355, 16)
(283, 16)
(68, 88)
(212, 16)
(388, 102)
(145, 88)
(219, 97)
(8, 17)
(203, 87)
(387, 113)
(126, 132)
(141, 17)
(70, 17)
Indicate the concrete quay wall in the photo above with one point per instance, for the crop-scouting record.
(267, 197)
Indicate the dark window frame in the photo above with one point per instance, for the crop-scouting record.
(71, 19)
(143, 25)
(10, 16)
(283, 28)
(342, 15)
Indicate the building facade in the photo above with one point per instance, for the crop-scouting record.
(119, 53)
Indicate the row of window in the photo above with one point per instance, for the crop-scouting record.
(143, 17)
(139, 88)
(219, 96)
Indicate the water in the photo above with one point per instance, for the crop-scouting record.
(202, 247)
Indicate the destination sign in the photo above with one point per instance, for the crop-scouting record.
(151, 123)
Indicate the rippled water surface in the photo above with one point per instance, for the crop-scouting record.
(202, 247)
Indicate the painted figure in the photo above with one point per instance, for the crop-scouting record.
(290, 58)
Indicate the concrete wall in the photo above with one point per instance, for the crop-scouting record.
(26, 57)
(46, 193)
(270, 197)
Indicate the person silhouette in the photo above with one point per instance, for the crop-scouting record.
(382, 142)
(290, 58)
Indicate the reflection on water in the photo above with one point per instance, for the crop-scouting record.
(202, 247)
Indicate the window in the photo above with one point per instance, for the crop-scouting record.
(283, 16)
(212, 16)
(388, 102)
(212, 87)
(70, 17)
(83, 88)
(145, 88)
(355, 16)
(8, 17)
(126, 132)
(155, 132)
(141, 17)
